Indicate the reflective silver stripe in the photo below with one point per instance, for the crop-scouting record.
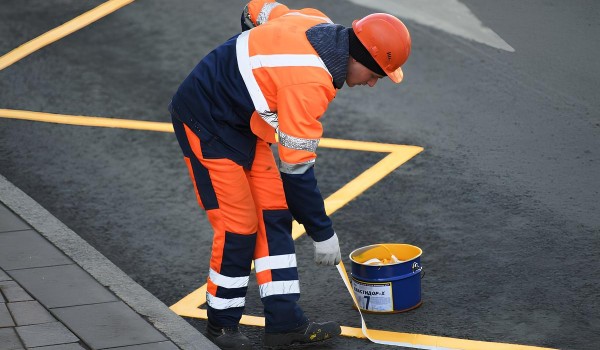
(271, 118)
(258, 99)
(222, 304)
(275, 262)
(226, 281)
(279, 287)
(265, 12)
(287, 60)
(299, 168)
(297, 143)
(302, 14)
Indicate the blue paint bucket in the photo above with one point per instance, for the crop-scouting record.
(391, 287)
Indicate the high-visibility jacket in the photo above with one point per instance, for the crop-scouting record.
(268, 81)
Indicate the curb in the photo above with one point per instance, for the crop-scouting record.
(103, 270)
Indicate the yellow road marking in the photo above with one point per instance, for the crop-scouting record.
(86, 121)
(189, 306)
(62, 31)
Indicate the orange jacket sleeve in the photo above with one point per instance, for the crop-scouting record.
(299, 108)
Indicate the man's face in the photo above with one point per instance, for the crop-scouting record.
(360, 75)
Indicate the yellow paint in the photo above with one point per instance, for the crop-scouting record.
(370, 177)
(191, 302)
(86, 121)
(62, 31)
(428, 340)
(190, 305)
(384, 251)
(359, 145)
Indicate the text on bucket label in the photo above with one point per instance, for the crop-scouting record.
(373, 296)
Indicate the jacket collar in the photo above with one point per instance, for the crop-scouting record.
(331, 43)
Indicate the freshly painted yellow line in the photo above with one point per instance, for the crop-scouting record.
(369, 177)
(61, 31)
(435, 342)
(406, 151)
(360, 145)
(398, 156)
(190, 305)
(86, 121)
(408, 338)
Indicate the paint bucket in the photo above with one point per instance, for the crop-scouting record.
(388, 288)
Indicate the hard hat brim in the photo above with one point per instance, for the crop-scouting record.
(396, 76)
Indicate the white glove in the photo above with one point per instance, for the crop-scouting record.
(328, 251)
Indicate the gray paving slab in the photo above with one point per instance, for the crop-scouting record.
(45, 334)
(2, 300)
(146, 306)
(65, 285)
(70, 346)
(9, 221)
(25, 249)
(166, 345)
(4, 276)
(29, 312)
(10, 340)
(5, 318)
(108, 325)
(13, 292)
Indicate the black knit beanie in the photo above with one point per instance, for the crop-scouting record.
(361, 54)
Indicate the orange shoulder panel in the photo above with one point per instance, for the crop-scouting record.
(310, 12)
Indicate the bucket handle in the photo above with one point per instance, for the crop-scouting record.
(416, 267)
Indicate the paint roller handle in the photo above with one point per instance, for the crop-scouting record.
(327, 252)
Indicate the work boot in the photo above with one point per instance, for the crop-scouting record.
(309, 333)
(228, 338)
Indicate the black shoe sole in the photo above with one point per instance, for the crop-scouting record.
(295, 340)
(298, 345)
(215, 341)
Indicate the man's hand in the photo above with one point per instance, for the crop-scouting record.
(328, 252)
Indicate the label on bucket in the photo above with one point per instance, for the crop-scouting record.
(373, 296)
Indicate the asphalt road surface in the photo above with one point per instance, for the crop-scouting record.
(504, 201)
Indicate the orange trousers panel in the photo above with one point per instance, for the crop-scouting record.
(242, 194)
(251, 221)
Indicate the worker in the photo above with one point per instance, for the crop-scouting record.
(271, 84)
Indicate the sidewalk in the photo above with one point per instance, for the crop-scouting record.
(58, 292)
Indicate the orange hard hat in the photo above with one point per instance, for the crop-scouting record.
(387, 40)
